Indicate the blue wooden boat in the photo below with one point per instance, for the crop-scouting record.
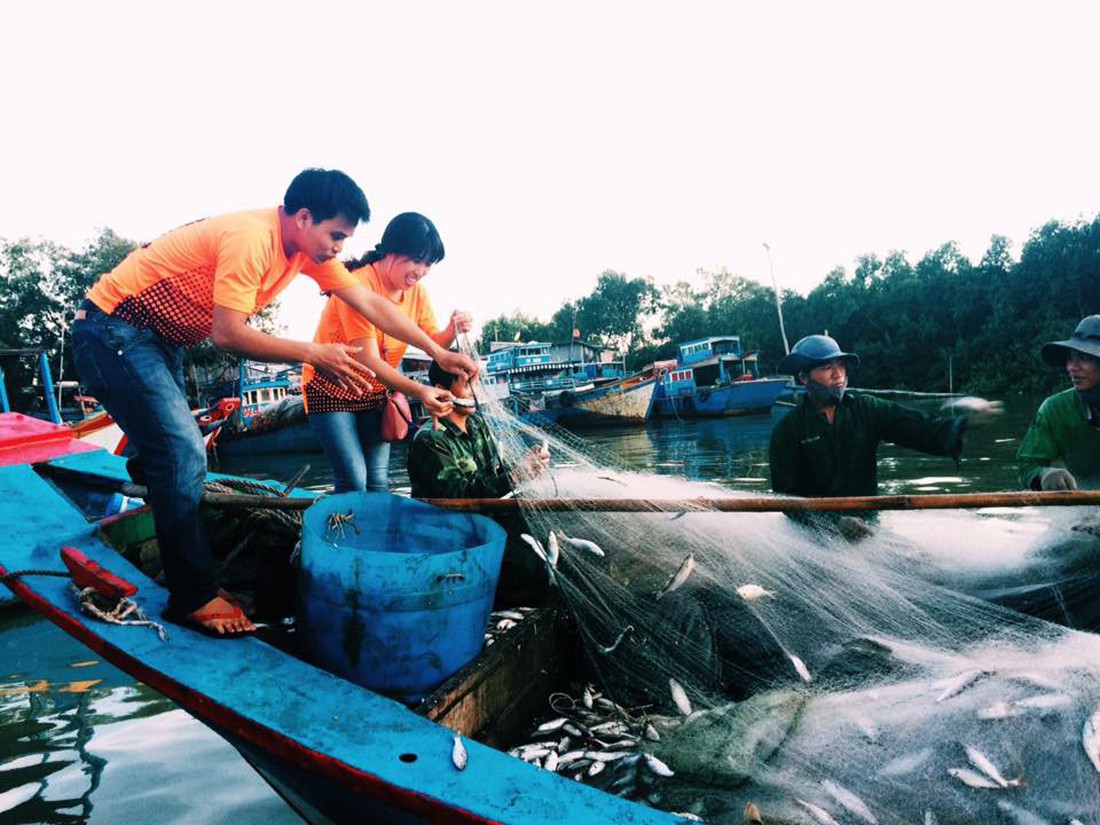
(715, 377)
(574, 384)
(336, 751)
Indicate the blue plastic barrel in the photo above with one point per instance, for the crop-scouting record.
(396, 597)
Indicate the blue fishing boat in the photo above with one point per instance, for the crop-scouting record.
(715, 377)
(337, 751)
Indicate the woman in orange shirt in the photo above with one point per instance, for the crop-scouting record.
(347, 423)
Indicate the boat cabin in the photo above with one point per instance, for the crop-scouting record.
(709, 362)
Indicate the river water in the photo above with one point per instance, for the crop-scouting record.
(81, 741)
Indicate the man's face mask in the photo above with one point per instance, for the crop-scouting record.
(823, 394)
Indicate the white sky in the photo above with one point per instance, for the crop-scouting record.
(552, 141)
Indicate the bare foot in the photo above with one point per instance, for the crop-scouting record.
(220, 617)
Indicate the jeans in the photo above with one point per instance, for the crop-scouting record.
(138, 377)
(353, 445)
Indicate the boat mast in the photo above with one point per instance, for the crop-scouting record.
(778, 302)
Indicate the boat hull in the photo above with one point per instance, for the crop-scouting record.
(615, 404)
(738, 398)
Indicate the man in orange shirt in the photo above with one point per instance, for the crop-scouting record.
(204, 280)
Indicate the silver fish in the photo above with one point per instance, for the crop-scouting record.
(551, 761)
(972, 779)
(552, 725)
(658, 767)
(595, 768)
(752, 815)
(800, 668)
(553, 549)
(505, 624)
(820, 814)
(458, 754)
(983, 763)
(611, 648)
(680, 576)
(514, 615)
(586, 697)
(960, 683)
(584, 544)
(999, 710)
(651, 733)
(752, 592)
(1045, 701)
(679, 697)
(1090, 738)
(536, 545)
(1020, 815)
(852, 803)
(906, 764)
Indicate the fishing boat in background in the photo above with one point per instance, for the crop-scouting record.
(573, 384)
(715, 377)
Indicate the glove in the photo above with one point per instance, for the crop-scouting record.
(1056, 478)
(854, 528)
(977, 412)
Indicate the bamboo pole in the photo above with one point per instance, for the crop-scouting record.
(754, 504)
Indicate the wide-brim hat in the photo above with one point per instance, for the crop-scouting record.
(812, 351)
(1086, 339)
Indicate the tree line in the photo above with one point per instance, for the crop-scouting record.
(940, 323)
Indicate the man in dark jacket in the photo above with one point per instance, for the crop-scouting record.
(828, 445)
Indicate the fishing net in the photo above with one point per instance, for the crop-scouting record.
(768, 664)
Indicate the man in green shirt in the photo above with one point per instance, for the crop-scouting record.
(1066, 429)
(828, 445)
(456, 456)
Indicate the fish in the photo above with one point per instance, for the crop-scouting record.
(611, 648)
(1090, 738)
(596, 767)
(1020, 816)
(999, 710)
(800, 668)
(651, 733)
(505, 624)
(552, 725)
(752, 815)
(849, 801)
(906, 764)
(658, 767)
(550, 763)
(514, 615)
(680, 576)
(679, 697)
(553, 550)
(961, 683)
(586, 697)
(752, 592)
(458, 754)
(536, 545)
(583, 544)
(983, 763)
(818, 813)
(972, 779)
(1045, 701)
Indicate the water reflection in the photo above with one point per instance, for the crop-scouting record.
(80, 742)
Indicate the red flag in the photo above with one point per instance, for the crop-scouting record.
(576, 333)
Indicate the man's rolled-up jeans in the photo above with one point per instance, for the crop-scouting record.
(138, 377)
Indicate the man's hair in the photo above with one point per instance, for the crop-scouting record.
(327, 193)
(440, 376)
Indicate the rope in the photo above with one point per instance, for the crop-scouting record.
(287, 520)
(95, 605)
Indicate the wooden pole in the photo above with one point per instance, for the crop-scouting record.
(748, 504)
(769, 504)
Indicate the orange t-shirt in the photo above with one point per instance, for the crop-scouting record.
(340, 324)
(234, 261)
